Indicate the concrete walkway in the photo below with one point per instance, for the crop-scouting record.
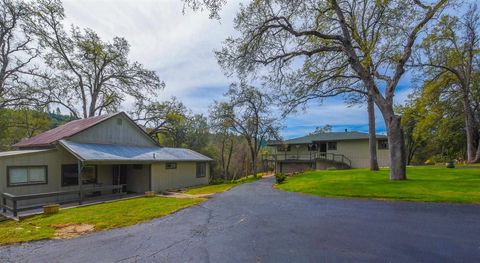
(257, 223)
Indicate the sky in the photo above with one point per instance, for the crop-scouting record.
(179, 45)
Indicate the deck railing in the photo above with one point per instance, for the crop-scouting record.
(10, 202)
(339, 158)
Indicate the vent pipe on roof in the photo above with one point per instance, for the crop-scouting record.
(153, 155)
(346, 130)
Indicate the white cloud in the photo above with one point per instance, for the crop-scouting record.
(180, 48)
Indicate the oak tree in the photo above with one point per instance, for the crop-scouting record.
(18, 51)
(88, 76)
(319, 45)
(247, 113)
(452, 49)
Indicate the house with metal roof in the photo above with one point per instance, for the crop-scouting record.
(94, 157)
(349, 149)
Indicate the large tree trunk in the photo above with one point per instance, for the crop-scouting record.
(470, 129)
(254, 164)
(396, 146)
(477, 155)
(229, 159)
(372, 134)
(222, 159)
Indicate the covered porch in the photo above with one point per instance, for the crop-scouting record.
(76, 174)
(97, 182)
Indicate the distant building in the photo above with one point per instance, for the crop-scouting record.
(323, 150)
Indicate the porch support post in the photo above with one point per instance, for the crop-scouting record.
(80, 182)
(150, 187)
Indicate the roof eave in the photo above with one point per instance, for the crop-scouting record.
(71, 151)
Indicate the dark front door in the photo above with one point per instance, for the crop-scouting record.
(119, 175)
(323, 147)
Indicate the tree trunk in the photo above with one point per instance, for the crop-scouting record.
(470, 130)
(477, 155)
(222, 159)
(396, 146)
(229, 159)
(254, 163)
(372, 137)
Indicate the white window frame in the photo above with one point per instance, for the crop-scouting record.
(28, 182)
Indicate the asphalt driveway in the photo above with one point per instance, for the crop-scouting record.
(256, 223)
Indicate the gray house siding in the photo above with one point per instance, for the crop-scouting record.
(115, 130)
(143, 172)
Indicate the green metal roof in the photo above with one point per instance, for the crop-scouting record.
(328, 136)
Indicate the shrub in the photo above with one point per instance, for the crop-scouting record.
(450, 164)
(280, 178)
(429, 162)
(217, 181)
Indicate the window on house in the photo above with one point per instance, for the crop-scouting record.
(201, 169)
(383, 144)
(70, 174)
(283, 148)
(27, 175)
(119, 121)
(332, 146)
(171, 166)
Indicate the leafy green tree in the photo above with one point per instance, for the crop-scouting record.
(88, 76)
(197, 133)
(433, 123)
(452, 49)
(174, 125)
(160, 117)
(335, 43)
(19, 124)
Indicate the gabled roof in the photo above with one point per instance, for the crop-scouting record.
(328, 136)
(66, 130)
(124, 153)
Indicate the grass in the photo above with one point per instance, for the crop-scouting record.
(222, 187)
(103, 216)
(424, 184)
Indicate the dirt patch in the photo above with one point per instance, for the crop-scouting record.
(182, 195)
(72, 230)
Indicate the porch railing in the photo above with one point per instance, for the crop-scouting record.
(10, 202)
(339, 158)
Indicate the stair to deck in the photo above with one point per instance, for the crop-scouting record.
(335, 158)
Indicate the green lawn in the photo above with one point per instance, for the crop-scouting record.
(425, 184)
(103, 216)
(217, 188)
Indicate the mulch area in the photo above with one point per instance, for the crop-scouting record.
(183, 195)
(72, 230)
